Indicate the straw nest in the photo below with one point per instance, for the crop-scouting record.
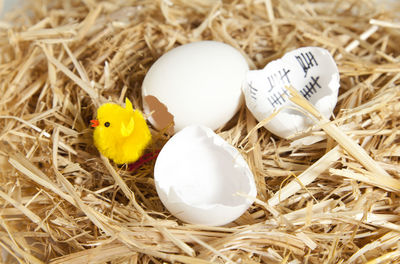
(329, 195)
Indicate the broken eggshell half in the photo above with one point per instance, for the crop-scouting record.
(202, 179)
(196, 83)
(312, 71)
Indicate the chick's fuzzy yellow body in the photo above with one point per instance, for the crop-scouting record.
(121, 134)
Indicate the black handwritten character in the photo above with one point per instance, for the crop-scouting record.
(284, 76)
(310, 88)
(272, 83)
(253, 91)
(306, 61)
(281, 77)
(278, 98)
(274, 100)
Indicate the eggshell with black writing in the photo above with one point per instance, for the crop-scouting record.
(196, 83)
(311, 71)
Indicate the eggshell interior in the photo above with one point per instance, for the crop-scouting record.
(199, 178)
(196, 83)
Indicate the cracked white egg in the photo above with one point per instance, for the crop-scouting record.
(202, 179)
(196, 83)
(311, 71)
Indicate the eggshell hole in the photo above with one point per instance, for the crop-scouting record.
(216, 183)
(158, 113)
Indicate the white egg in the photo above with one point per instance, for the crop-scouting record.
(196, 83)
(202, 179)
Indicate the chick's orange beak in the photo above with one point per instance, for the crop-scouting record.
(95, 123)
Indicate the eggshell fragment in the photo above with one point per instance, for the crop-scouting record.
(311, 71)
(196, 83)
(202, 179)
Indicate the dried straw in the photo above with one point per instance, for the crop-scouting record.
(328, 195)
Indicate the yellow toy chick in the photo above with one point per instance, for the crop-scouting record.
(120, 134)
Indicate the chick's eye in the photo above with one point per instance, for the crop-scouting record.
(107, 124)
